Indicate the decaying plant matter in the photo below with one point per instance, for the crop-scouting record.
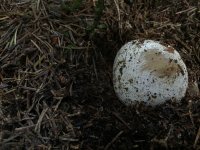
(56, 62)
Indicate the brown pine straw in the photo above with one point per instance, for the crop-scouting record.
(56, 62)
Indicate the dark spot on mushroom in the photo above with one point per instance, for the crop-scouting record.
(130, 58)
(175, 61)
(145, 50)
(130, 80)
(137, 43)
(170, 60)
(119, 77)
(157, 53)
(122, 62)
(120, 70)
(154, 96)
(149, 98)
(181, 70)
(126, 89)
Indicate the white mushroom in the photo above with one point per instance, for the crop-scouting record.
(150, 72)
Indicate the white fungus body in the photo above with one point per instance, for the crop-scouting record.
(149, 72)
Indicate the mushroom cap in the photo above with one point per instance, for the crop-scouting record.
(149, 72)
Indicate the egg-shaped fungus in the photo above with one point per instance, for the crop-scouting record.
(149, 72)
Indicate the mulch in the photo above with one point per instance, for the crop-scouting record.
(56, 62)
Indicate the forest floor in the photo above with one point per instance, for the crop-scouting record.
(56, 62)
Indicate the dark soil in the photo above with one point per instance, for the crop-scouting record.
(56, 62)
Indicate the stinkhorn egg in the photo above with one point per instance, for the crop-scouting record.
(147, 71)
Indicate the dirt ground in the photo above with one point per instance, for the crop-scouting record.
(56, 62)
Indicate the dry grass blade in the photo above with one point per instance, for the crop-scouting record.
(113, 140)
(38, 125)
(196, 139)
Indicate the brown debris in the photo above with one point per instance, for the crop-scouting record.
(56, 62)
